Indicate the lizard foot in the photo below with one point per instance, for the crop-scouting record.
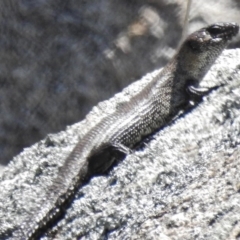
(196, 93)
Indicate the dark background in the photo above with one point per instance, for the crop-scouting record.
(60, 58)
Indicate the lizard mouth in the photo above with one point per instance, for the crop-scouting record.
(223, 30)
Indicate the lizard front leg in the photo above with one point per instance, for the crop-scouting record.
(196, 93)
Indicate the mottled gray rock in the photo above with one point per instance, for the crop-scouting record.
(59, 58)
(183, 185)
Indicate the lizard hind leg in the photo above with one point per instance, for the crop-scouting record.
(105, 157)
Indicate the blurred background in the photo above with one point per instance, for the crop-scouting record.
(59, 58)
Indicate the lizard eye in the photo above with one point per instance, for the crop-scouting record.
(215, 31)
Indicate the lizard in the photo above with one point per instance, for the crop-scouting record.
(116, 135)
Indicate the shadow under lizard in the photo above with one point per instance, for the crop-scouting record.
(149, 110)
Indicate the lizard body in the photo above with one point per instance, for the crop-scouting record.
(149, 110)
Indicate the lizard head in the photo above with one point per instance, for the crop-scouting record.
(201, 48)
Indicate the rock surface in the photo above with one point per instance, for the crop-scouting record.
(184, 184)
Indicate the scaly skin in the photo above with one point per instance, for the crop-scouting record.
(149, 110)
